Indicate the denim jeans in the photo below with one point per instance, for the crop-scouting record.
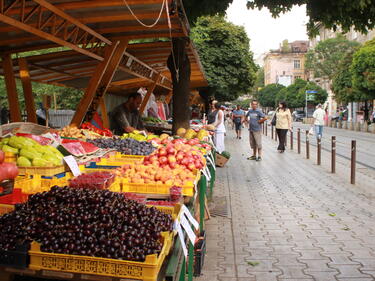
(319, 131)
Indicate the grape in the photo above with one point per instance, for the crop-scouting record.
(125, 146)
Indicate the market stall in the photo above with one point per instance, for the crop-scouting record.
(79, 203)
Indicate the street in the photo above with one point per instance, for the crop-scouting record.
(288, 219)
(365, 143)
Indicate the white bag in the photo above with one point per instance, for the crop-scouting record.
(311, 131)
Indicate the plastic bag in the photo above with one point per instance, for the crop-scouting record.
(311, 131)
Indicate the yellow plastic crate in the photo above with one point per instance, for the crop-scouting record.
(38, 184)
(147, 270)
(174, 211)
(43, 171)
(5, 208)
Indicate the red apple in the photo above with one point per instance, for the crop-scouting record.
(180, 156)
(172, 165)
(8, 170)
(184, 161)
(162, 152)
(191, 166)
(171, 151)
(163, 160)
(172, 159)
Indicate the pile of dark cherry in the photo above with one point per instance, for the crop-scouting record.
(127, 146)
(85, 222)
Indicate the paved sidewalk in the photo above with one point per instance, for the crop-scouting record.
(289, 220)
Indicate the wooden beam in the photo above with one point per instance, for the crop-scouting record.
(168, 98)
(53, 70)
(10, 83)
(103, 109)
(148, 95)
(93, 86)
(27, 90)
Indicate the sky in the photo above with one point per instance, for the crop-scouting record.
(265, 32)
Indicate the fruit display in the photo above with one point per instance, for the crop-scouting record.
(8, 171)
(90, 127)
(96, 180)
(71, 131)
(139, 136)
(126, 146)
(78, 147)
(153, 120)
(190, 134)
(85, 222)
(31, 153)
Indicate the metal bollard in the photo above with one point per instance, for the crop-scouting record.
(319, 151)
(275, 134)
(266, 128)
(307, 145)
(333, 154)
(353, 162)
(271, 131)
(299, 141)
(291, 139)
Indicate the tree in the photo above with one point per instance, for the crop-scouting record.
(291, 95)
(342, 85)
(323, 59)
(224, 50)
(267, 95)
(259, 82)
(320, 96)
(331, 14)
(363, 70)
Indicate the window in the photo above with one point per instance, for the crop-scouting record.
(297, 64)
(297, 77)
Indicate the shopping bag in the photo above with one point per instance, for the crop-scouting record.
(311, 131)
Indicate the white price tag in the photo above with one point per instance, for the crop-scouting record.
(73, 165)
(186, 211)
(209, 157)
(177, 226)
(185, 224)
(204, 171)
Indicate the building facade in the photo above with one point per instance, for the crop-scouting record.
(285, 65)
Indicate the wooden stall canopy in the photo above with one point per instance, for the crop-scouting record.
(85, 29)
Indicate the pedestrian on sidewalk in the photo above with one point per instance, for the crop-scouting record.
(318, 116)
(219, 128)
(283, 124)
(238, 118)
(255, 117)
(212, 113)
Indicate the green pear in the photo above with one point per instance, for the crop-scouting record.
(7, 148)
(52, 159)
(30, 153)
(39, 162)
(23, 162)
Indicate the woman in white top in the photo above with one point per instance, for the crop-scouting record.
(219, 129)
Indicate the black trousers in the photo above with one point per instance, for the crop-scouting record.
(281, 135)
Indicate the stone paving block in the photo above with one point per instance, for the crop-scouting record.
(292, 272)
(329, 248)
(317, 265)
(326, 240)
(288, 260)
(265, 265)
(323, 276)
(366, 264)
(363, 253)
(341, 259)
(309, 254)
(369, 272)
(349, 271)
(260, 254)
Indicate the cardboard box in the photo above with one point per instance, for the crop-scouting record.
(220, 160)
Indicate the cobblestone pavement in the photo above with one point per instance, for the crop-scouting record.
(289, 220)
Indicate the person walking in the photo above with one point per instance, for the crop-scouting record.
(238, 118)
(318, 116)
(255, 117)
(283, 124)
(219, 129)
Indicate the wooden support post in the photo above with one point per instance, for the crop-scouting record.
(99, 82)
(103, 109)
(333, 154)
(169, 97)
(27, 90)
(148, 95)
(10, 83)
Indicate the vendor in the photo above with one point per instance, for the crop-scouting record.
(126, 118)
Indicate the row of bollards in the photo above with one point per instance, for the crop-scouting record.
(319, 149)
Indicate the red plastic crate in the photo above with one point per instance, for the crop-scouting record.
(14, 198)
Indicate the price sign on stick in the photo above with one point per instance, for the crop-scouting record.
(73, 165)
(185, 224)
(177, 226)
(190, 217)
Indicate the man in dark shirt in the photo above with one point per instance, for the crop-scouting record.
(125, 118)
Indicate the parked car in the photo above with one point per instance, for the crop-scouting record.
(298, 115)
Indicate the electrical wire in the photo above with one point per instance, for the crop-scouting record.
(139, 21)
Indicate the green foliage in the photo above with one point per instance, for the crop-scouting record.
(359, 14)
(224, 50)
(291, 94)
(267, 95)
(197, 8)
(363, 70)
(323, 59)
(342, 82)
(319, 97)
(66, 98)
